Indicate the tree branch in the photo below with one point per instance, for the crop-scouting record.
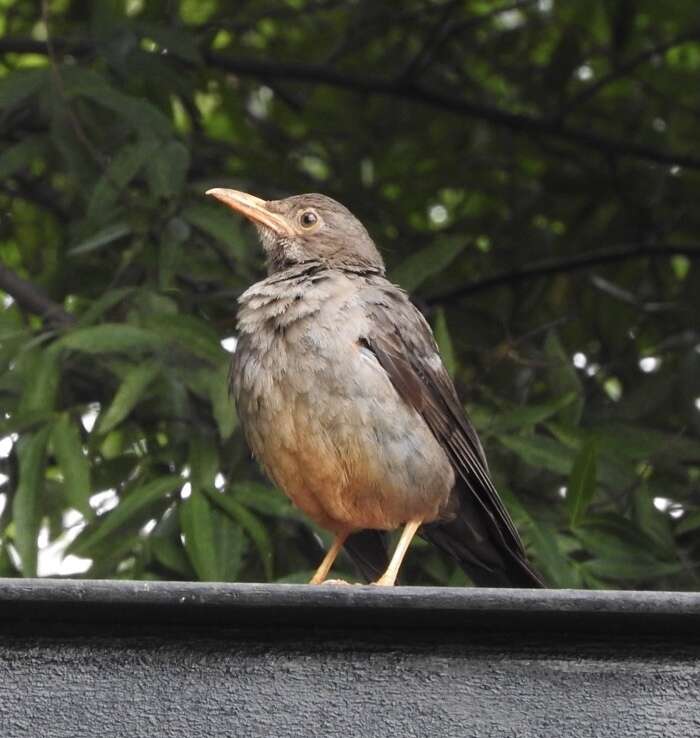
(316, 74)
(73, 119)
(628, 66)
(459, 28)
(563, 266)
(434, 38)
(516, 122)
(32, 298)
(25, 45)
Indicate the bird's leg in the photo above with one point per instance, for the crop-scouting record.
(388, 578)
(328, 559)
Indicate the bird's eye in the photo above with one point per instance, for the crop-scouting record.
(308, 219)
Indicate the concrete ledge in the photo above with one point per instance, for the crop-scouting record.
(356, 606)
(137, 659)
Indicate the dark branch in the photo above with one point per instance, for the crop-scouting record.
(21, 45)
(563, 266)
(32, 298)
(314, 74)
(628, 66)
(518, 123)
(431, 44)
(467, 25)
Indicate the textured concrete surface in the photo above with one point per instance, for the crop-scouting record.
(108, 672)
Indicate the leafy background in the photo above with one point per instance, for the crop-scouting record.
(530, 170)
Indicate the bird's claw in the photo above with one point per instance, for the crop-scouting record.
(336, 581)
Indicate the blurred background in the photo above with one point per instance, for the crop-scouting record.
(531, 171)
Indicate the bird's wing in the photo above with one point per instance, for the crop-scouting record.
(401, 339)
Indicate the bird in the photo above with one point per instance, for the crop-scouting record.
(345, 401)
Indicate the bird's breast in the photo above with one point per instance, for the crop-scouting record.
(325, 422)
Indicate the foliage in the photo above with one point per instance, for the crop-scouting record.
(528, 170)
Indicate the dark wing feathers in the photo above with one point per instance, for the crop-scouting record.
(403, 343)
(369, 551)
(407, 355)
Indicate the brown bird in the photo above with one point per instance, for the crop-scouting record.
(346, 403)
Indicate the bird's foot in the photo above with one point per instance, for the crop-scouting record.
(336, 582)
(384, 581)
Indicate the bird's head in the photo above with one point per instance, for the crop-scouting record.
(305, 228)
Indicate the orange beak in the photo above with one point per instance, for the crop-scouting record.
(253, 208)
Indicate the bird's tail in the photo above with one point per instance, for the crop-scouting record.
(468, 537)
(369, 552)
(472, 539)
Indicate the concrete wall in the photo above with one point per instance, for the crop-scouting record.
(170, 659)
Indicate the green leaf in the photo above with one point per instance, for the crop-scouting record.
(125, 165)
(547, 545)
(25, 422)
(102, 238)
(689, 522)
(651, 521)
(178, 42)
(204, 462)
(427, 262)
(42, 381)
(11, 324)
(569, 436)
(222, 405)
(220, 224)
(112, 472)
(634, 569)
(7, 567)
(197, 523)
(621, 548)
(136, 381)
(539, 451)
(175, 396)
(20, 156)
(613, 470)
(230, 544)
(263, 499)
(167, 169)
(20, 84)
(26, 505)
(612, 532)
(557, 568)
(640, 443)
(190, 333)
(135, 503)
(582, 483)
(527, 416)
(250, 524)
(171, 554)
(141, 114)
(75, 465)
(173, 252)
(111, 338)
(563, 379)
(444, 342)
(102, 304)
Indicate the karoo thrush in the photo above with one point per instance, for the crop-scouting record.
(345, 401)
